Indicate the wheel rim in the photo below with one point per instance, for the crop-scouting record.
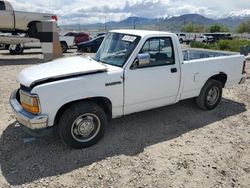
(213, 95)
(85, 127)
(18, 49)
(88, 49)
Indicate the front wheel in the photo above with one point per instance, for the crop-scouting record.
(17, 51)
(7, 46)
(64, 47)
(82, 125)
(210, 95)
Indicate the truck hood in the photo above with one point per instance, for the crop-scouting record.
(60, 68)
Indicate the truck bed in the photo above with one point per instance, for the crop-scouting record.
(192, 54)
(199, 64)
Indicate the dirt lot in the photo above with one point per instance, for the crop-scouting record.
(174, 146)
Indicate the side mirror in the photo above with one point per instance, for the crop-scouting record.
(143, 59)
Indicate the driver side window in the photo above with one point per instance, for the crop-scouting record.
(160, 50)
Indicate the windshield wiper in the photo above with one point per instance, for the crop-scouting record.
(99, 61)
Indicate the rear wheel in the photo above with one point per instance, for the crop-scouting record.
(32, 31)
(210, 95)
(88, 49)
(82, 125)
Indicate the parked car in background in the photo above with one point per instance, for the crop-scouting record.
(183, 38)
(203, 38)
(23, 22)
(90, 46)
(66, 43)
(219, 36)
(79, 37)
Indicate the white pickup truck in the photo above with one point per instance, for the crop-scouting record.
(132, 71)
(16, 21)
(65, 41)
(183, 38)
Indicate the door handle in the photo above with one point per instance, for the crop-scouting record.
(173, 70)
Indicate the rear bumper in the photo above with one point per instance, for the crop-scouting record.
(31, 121)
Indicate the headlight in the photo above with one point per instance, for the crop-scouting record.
(29, 102)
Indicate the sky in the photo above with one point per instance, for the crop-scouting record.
(96, 11)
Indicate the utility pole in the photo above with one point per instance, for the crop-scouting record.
(158, 22)
(79, 26)
(134, 23)
(105, 23)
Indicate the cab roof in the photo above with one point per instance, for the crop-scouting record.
(141, 33)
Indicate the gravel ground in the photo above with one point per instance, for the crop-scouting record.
(173, 146)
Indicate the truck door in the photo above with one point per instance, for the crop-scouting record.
(7, 16)
(155, 84)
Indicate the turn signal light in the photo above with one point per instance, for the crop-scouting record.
(29, 103)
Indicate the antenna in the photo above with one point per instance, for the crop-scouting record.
(134, 22)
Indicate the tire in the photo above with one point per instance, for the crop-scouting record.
(80, 50)
(82, 125)
(32, 31)
(88, 49)
(181, 41)
(210, 95)
(64, 47)
(18, 50)
(12, 52)
(7, 46)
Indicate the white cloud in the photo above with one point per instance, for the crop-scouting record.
(92, 11)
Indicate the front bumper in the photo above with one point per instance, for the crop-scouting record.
(243, 80)
(25, 118)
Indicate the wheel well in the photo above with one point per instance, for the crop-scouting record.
(221, 77)
(64, 42)
(33, 22)
(103, 102)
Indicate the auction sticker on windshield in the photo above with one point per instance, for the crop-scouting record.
(129, 38)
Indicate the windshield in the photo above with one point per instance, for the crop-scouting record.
(116, 48)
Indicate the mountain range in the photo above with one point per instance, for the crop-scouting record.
(231, 21)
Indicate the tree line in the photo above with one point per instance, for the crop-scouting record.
(244, 27)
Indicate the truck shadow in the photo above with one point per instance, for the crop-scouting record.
(25, 162)
(21, 61)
